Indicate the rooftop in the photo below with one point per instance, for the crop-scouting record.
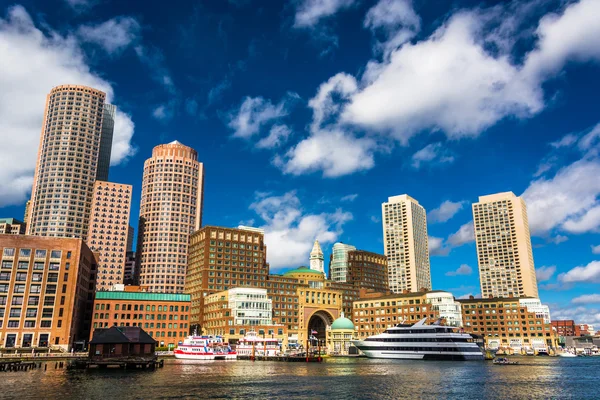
(11, 221)
(141, 296)
(401, 295)
(301, 270)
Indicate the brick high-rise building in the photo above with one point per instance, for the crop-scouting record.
(11, 226)
(224, 258)
(107, 234)
(68, 160)
(367, 270)
(406, 244)
(504, 247)
(46, 287)
(170, 211)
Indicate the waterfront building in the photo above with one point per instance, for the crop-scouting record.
(340, 336)
(45, 287)
(70, 150)
(584, 330)
(317, 260)
(504, 323)
(11, 226)
(536, 306)
(170, 211)
(447, 307)
(338, 262)
(125, 342)
(406, 244)
(165, 316)
(367, 270)
(221, 259)
(107, 233)
(130, 273)
(233, 313)
(374, 314)
(504, 249)
(564, 327)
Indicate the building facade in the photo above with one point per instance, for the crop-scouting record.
(129, 276)
(317, 260)
(107, 233)
(45, 287)
(67, 162)
(536, 306)
(11, 226)
(164, 316)
(108, 126)
(367, 270)
(505, 324)
(564, 327)
(504, 249)
(221, 259)
(338, 262)
(406, 244)
(170, 211)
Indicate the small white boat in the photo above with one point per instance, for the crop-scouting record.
(204, 348)
(567, 354)
(255, 345)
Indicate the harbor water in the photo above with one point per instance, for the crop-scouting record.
(336, 378)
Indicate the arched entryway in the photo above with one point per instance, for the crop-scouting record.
(318, 322)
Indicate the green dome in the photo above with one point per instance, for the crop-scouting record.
(301, 270)
(342, 323)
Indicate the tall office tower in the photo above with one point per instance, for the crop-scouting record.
(504, 246)
(26, 213)
(222, 259)
(338, 262)
(367, 270)
(130, 234)
(317, 260)
(405, 244)
(108, 126)
(107, 234)
(170, 211)
(67, 163)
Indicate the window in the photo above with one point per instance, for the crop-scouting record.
(17, 300)
(47, 313)
(25, 253)
(33, 301)
(55, 254)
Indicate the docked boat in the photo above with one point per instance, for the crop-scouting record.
(421, 342)
(204, 348)
(254, 345)
(567, 354)
(504, 361)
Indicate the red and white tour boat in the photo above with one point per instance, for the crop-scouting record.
(204, 348)
(254, 345)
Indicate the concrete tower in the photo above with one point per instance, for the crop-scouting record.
(405, 243)
(170, 211)
(504, 246)
(69, 155)
(317, 261)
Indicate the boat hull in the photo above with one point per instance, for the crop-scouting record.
(399, 355)
(184, 356)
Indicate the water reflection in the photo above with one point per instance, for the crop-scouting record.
(341, 378)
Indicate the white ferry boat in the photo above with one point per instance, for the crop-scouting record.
(253, 344)
(204, 348)
(421, 342)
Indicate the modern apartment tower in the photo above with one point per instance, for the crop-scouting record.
(504, 247)
(170, 211)
(108, 231)
(405, 244)
(68, 159)
(338, 263)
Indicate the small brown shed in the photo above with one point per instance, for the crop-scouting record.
(121, 342)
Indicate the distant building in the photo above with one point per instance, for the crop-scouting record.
(341, 334)
(367, 270)
(564, 327)
(75, 135)
(121, 342)
(130, 275)
(338, 262)
(504, 247)
(11, 226)
(317, 260)
(504, 323)
(107, 233)
(584, 330)
(406, 244)
(26, 213)
(536, 306)
(164, 316)
(170, 211)
(45, 284)
(130, 237)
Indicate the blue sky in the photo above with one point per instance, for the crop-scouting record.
(308, 114)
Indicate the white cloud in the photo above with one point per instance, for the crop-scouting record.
(33, 62)
(567, 200)
(278, 135)
(81, 5)
(589, 273)
(433, 154)
(113, 35)
(578, 314)
(254, 112)
(545, 273)
(445, 211)
(464, 269)
(349, 197)
(310, 12)
(323, 104)
(586, 299)
(396, 20)
(375, 219)
(154, 60)
(290, 232)
(558, 239)
(464, 235)
(596, 249)
(437, 246)
(566, 141)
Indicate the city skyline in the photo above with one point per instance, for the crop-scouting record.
(327, 197)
